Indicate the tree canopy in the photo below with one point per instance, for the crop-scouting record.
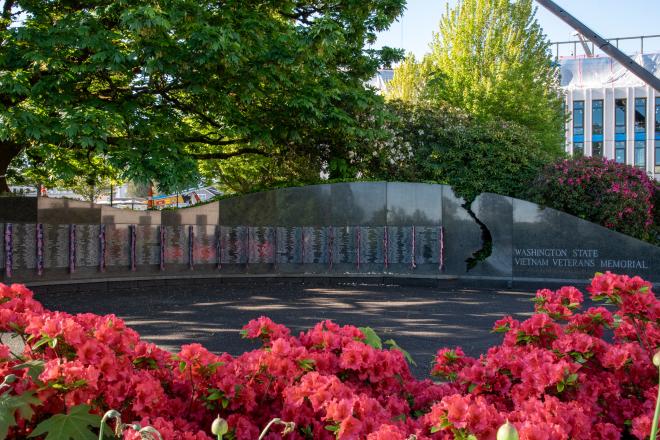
(439, 143)
(152, 86)
(491, 59)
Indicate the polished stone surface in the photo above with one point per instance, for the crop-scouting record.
(2, 245)
(128, 217)
(117, 247)
(147, 250)
(414, 204)
(261, 245)
(176, 245)
(18, 209)
(462, 233)
(551, 244)
(204, 249)
(258, 209)
(87, 245)
(348, 228)
(233, 245)
(65, 211)
(25, 246)
(304, 206)
(496, 212)
(207, 214)
(358, 203)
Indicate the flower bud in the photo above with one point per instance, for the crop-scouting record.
(656, 359)
(10, 378)
(219, 426)
(507, 432)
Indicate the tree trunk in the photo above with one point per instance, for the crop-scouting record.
(8, 151)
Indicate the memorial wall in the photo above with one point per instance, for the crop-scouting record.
(353, 229)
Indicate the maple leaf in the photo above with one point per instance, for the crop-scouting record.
(10, 404)
(71, 426)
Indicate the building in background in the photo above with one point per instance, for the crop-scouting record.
(380, 79)
(613, 114)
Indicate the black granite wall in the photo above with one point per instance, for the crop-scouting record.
(361, 228)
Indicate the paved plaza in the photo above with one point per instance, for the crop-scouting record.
(419, 319)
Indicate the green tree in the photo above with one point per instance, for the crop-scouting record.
(88, 175)
(491, 59)
(439, 143)
(408, 82)
(153, 86)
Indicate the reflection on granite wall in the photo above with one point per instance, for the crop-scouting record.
(347, 228)
(24, 245)
(2, 245)
(87, 245)
(261, 244)
(204, 249)
(176, 245)
(117, 247)
(233, 244)
(288, 250)
(147, 250)
(551, 244)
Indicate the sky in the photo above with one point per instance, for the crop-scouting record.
(609, 18)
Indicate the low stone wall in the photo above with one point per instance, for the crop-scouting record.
(357, 229)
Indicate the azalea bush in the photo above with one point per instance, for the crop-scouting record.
(563, 373)
(614, 195)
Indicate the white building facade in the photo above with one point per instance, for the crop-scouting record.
(613, 114)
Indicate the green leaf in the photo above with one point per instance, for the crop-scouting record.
(306, 364)
(72, 426)
(332, 428)
(43, 341)
(35, 367)
(394, 346)
(10, 404)
(371, 338)
(561, 386)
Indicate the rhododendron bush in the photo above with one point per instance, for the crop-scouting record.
(615, 195)
(561, 374)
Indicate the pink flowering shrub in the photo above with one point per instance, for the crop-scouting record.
(554, 376)
(614, 195)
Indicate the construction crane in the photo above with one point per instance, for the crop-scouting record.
(602, 44)
(585, 45)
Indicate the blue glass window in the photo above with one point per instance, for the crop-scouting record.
(657, 135)
(640, 154)
(578, 117)
(657, 118)
(578, 149)
(597, 149)
(597, 116)
(640, 115)
(620, 116)
(620, 151)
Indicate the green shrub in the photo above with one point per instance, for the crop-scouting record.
(442, 144)
(617, 196)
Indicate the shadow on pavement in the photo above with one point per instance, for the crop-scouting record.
(419, 319)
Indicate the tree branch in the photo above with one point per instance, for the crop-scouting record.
(6, 9)
(207, 156)
(190, 109)
(209, 141)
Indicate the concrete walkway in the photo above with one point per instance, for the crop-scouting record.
(419, 319)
